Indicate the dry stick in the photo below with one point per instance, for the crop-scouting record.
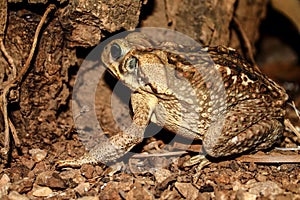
(245, 158)
(14, 133)
(175, 153)
(4, 151)
(26, 66)
(270, 158)
(9, 59)
(288, 124)
(295, 109)
(16, 81)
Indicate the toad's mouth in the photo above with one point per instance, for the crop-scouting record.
(112, 72)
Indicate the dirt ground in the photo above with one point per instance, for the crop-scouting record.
(152, 172)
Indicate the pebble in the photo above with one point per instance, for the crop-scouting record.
(4, 180)
(187, 190)
(87, 171)
(79, 179)
(41, 191)
(244, 195)
(82, 188)
(22, 186)
(70, 174)
(161, 175)
(50, 179)
(18, 172)
(38, 154)
(261, 178)
(4, 185)
(98, 170)
(266, 188)
(14, 195)
(139, 192)
(29, 163)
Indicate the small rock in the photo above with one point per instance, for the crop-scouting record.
(82, 188)
(244, 195)
(27, 162)
(42, 191)
(161, 175)
(4, 185)
(266, 188)
(69, 177)
(295, 188)
(4, 180)
(173, 194)
(87, 171)
(221, 194)
(98, 170)
(252, 167)
(111, 190)
(261, 178)
(69, 174)
(236, 185)
(139, 192)
(18, 172)
(286, 196)
(187, 190)
(50, 179)
(24, 150)
(79, 179)
(23, 185)
(38, 154)
(14, 195)
(59, 147)
(40, 167)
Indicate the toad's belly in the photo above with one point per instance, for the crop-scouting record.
(186, 124)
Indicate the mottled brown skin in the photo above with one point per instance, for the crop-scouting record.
(210, 94)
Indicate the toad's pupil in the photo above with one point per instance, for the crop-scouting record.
(115, 51)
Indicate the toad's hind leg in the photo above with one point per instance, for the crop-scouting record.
(242, 129)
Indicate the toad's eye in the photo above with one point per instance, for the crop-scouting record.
(115, 51)
(131, 64)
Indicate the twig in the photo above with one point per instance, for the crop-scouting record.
(26, 66)
(6, 119)
(4, 151)
(288, 148)
(270, 158)
(176, 153)
(16, 81)
(9, 59)
(14, 133)
(295, 108)
(288, 124)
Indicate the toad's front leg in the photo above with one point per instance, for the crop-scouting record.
(116, 146)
